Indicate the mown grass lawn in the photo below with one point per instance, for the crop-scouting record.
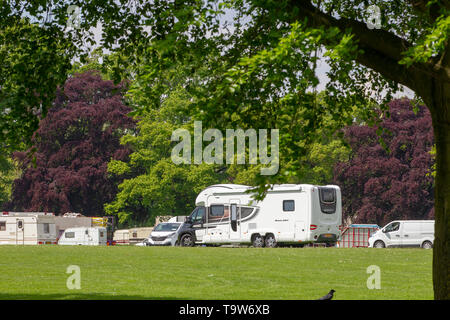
(39, 272)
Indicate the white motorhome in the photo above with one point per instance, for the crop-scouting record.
(30, 228)
(84, 236)
(404, 233)
(228, 213)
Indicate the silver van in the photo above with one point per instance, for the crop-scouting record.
(404, 233)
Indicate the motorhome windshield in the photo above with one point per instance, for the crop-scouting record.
(167, 227)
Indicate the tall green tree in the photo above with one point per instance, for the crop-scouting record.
(153, 184)
(9, 171)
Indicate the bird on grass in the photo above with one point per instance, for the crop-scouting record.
(328, 296)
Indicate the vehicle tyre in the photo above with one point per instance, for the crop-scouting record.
(258, 241)
(379, 244)
(270, 241)
(427, 245)
(187, 240)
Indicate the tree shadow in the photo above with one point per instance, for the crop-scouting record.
(81, 296)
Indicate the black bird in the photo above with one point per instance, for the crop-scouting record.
(328, 296)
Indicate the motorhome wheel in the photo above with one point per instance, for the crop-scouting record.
(270, 241)
(187, 241)
(258, 241)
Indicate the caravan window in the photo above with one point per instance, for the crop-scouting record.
(288, 205)
(2, 225)
(69, 235)
(46, 228)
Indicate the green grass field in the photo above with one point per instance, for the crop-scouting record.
(39, 272)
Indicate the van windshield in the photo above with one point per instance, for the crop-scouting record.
(167, 227)
(394, 226)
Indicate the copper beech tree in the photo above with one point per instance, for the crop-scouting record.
(72, 147)
(393, 183)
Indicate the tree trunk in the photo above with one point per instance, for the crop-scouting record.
(440, 110)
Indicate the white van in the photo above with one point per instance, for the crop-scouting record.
(84, 236)
(404, 233)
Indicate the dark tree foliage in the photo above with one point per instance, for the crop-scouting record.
(73, 146)
(379, 186)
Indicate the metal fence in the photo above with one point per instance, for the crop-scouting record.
(357, 235)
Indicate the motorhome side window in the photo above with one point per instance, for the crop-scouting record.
(2, 225)
(246, 211)
(288, 205)
(217, 211)
(46, 228)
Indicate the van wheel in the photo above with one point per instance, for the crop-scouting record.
(427, 245)
(379, 244)
(270, 241)
(258, 241)
(186, 240)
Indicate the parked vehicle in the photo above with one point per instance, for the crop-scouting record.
(84, 236)
(27, 228)
(144, 243)
(404, 233)
(227, 213)
(165, 234)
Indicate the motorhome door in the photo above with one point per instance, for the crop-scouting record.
(198, 219)
(20, 233)
(235, 220)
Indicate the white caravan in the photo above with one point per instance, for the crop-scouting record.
(289, 213)
(84, 236)
(29, 228)
(404, 233)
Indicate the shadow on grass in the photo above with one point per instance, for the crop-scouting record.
(81, 296)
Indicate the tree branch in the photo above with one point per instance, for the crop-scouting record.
(382, 49)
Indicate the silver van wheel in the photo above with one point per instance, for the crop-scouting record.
(427, 245)
(379, 244)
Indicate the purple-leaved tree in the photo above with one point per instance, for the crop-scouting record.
(380, 186)
(73, 146)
